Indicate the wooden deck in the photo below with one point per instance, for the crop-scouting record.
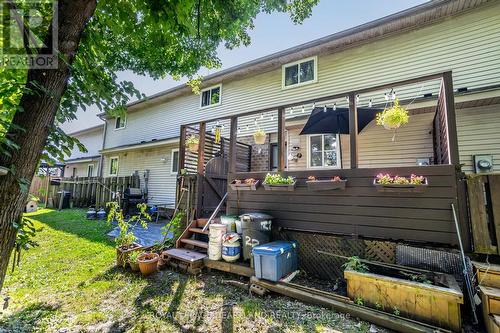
(360, 210)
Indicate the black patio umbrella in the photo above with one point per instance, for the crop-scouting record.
(336, 121)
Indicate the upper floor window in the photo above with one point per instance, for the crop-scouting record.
(324, 151)
(300, 72)
(120, 122)
(211, 96)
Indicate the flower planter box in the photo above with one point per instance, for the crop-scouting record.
(280, 187)
(123, 253)
(400, 187)
(245, 187)
(428, 303)
(325, 185)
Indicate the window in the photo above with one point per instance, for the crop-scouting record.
(323, 151)
(113, 166)
(90, 170)
(299, 73)
(211, 96)
(73, 173)
(120, 122)
(175, 161)
(273, 157)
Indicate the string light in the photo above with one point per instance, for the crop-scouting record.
(386, 97)
(370, 103)
(212, 130)
(347, 99)
(314, 106)
(291, 110)
(218, 123)
(255, 121)
(248, 127)
(334, 106)
(239, 130)
(324, 109)
(262, 116)
(357, 98)
(393, 95)
(222, 127)
(272, 118)
(303, 109)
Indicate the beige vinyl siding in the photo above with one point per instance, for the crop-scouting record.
(161, 183)
(479, 133)
(92, 141)
(81, 169)
(468, 44)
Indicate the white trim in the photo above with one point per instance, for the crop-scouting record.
(93, 167)
(150, 144)
(337, 150)
(298, 62)
(210, 89)
(124, 124)
(117, 158)
(174, 150)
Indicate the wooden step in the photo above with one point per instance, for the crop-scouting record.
(203, 245)
(185, 255)
(198, 231)
(200, 223)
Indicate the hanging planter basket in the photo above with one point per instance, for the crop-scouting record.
(259, 137)
(193, 147)
(193, 143)
(394, 117)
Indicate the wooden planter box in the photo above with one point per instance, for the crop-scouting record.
(325, 185)
(122, 255)
(280, 187)
(428, 303)
(400, 187)
(245, 187)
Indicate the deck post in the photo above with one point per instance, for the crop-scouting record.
(182, 148)
(353, 130)
(232, 144)
(281, 139)
(200, 168)
(451, 121)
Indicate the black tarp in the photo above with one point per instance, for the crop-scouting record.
(336, 121)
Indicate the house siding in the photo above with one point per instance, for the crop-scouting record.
(479, 133)
(81, 169)
(468, 44)
(92, 140)
(162, 183)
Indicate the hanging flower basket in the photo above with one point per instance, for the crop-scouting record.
(394, 117)
(193, 143)
(259, 137)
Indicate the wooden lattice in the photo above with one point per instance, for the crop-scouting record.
(330, 267)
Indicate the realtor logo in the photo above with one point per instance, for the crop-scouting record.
(25, 41)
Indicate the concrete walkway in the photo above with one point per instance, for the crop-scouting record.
(145, 237)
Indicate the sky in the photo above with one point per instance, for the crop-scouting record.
(272, 33)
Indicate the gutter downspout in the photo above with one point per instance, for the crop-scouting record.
(101, 160)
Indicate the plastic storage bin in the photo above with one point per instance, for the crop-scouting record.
(275, 260)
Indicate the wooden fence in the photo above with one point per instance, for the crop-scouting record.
(92, 191)
(484, 206)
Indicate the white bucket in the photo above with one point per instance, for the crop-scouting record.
(215, 241)
(228, 221)
(231, 248)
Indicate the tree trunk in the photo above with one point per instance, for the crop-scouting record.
(36, 119)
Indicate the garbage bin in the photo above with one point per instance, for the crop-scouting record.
(65, 196)
(256, 229)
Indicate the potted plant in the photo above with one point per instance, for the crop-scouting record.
(193, 143)
(259, 137)
(148, 263)
(276, 182)
(334, 183)
(386, 183)
(132, 260)
(125, 241)
(394, 117)
(249, 184)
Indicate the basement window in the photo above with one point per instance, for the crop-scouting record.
(211, 96)
(300, 72)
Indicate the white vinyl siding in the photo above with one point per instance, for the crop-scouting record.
(157, 160)
(479, 134)
(82, 169)
(92, 141)
(468, 44)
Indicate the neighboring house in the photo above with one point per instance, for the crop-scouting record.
(438, 36)
(87, 164)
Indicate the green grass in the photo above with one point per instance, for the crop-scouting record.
(70, 284)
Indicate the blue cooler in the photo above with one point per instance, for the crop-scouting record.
(275, 260)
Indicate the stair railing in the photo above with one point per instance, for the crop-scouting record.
(216, 211)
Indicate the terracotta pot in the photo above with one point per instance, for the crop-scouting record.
(134, 266)
(123, 252)
(148, 263)
(193, 147)
(259, 138)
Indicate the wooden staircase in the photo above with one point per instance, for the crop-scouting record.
(188, 239)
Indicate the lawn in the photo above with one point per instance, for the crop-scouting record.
(70, 284)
